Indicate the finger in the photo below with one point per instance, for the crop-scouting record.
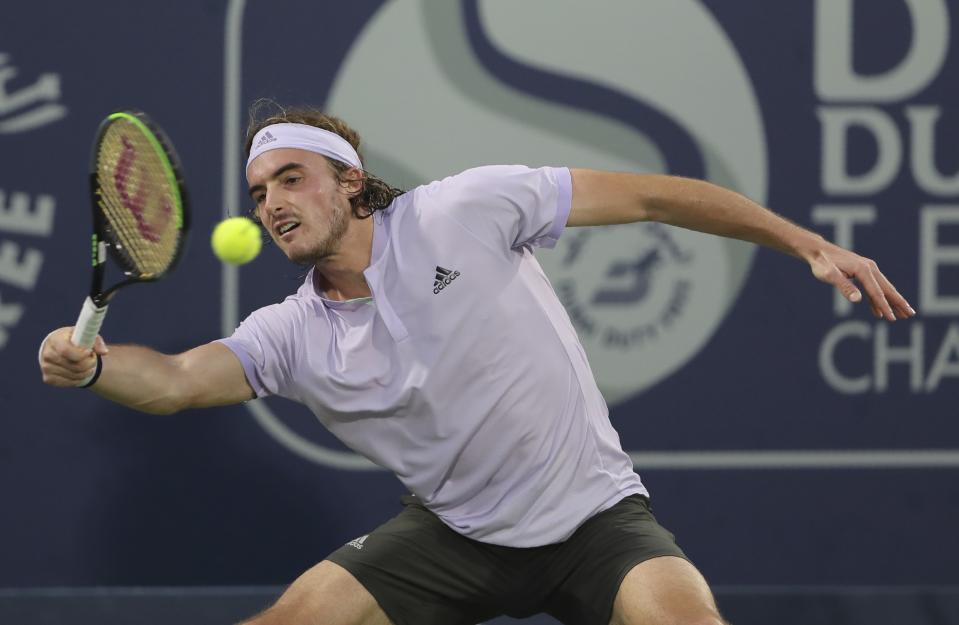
(73, 375)
(875, 293)
(831, 274)
(62, 341)
(54, 357)
(899, 303)
(903, 311)
(59, 364)
(59, 382)
(881, 290)
(878, 305)
(872, 307)
(845, 285)
(100, 346)
(61, 376)
(70, 352)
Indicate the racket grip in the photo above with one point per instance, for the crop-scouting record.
(88, 324)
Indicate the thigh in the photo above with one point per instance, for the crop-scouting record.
(664, 591)
(591, 565)
(328, 594)
(421, 572)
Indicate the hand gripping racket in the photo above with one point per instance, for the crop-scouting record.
(140, 211)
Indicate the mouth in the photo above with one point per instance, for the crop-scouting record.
(284, 228)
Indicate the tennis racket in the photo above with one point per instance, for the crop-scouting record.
(140, 211)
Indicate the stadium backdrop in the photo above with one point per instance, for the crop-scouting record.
(787, 438)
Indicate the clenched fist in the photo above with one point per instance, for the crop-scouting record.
(63, 364)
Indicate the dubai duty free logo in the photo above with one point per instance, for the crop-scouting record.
(644, 298)
(28, 103)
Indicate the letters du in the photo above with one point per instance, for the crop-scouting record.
(850, 100)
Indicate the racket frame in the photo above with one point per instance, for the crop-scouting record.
(103, 243)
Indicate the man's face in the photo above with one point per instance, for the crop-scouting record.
(300, 203)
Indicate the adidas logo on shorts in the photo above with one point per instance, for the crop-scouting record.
(358, 542)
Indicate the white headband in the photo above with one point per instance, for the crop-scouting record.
(304, 137)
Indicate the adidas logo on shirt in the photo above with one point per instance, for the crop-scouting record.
(444, 277)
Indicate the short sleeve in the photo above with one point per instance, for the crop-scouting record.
(509, 206)
(264, 343)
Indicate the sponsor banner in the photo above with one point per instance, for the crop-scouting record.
(468, 86)
(719, 361)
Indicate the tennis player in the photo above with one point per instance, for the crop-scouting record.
(427, 338)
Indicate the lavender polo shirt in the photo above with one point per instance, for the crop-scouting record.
(464, 376)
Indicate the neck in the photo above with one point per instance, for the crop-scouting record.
(340, 275)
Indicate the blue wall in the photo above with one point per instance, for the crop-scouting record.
(786, 438)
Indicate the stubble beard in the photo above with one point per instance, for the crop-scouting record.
(339, 222)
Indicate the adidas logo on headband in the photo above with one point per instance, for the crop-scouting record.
(266, 138)
(304, 137)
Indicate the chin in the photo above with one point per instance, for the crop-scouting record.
(300, 259)
(305, 257)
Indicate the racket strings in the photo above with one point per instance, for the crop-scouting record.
(139, 201)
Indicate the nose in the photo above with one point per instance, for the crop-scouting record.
(272, 202)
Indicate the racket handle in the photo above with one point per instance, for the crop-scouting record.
(88, 324)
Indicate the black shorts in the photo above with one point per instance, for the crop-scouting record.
(421, 572)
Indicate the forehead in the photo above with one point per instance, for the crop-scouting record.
(264, 165)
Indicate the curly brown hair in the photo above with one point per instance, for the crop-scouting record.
(375, 195)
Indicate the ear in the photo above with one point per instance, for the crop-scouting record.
(352, 181)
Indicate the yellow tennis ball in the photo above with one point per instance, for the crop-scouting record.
(236, 240)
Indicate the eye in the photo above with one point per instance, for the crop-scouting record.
(292, 179)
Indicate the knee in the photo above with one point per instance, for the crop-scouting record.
(277, 614)
(706, 618)
(711, 618)
(267, 617)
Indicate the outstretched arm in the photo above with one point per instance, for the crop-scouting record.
(604, 198)
(144, 379)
